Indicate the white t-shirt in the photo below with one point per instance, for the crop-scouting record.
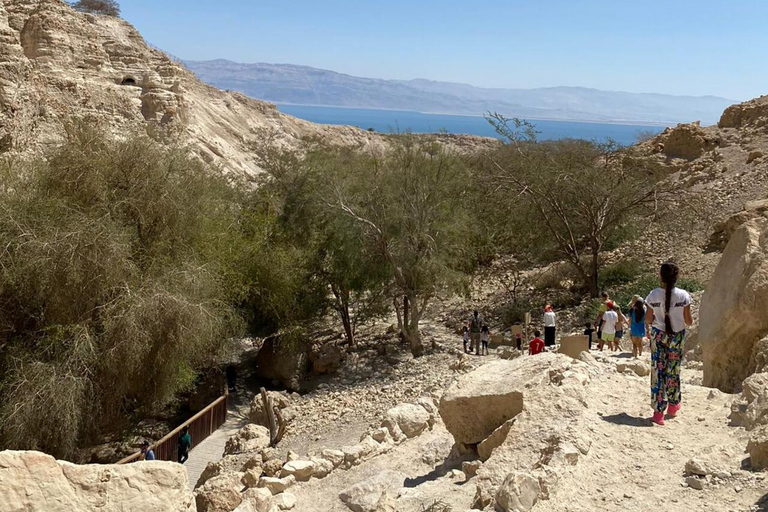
(610, 319)
(656, 300)
(549, 319)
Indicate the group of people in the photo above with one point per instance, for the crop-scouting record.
(184, 445)
(477, 335)
(662, 317)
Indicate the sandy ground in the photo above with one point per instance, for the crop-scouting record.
(632, 465)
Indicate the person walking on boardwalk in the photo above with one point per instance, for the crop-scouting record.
(475, 326)
(185, 443)
(549, 326)
(147, 453)
(669, 313)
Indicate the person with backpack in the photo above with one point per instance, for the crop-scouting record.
(475, 326)
(637, 325)
(669, 314)
(185, 444)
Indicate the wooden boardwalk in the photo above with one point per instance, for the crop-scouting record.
(212, 448)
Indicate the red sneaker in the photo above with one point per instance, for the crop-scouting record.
(672, 410)
(658, 418)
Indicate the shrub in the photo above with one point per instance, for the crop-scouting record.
(621, 272)
(105, 7)
(114, 285)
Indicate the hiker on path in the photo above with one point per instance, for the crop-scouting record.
(669, 313)
(616, 346)
(147, 453)
(475, 326)
(466, 337)
(637, 324)
(185, 443)
(609, 318)
(549, 326)
(537, 344)
(600, 312)
(485, 337)
(519, 341)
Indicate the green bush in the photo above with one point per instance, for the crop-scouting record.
(620, 273)
(114, 288)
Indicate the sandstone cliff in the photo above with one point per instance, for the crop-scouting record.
(56, 63)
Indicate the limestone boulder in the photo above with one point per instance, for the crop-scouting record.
(733, 316)
(519, 492)
(257, 414)
(755, 401)
(335, 457)
(327, 358)
(36, 482)
(637, 367)
(686, 141)
(256, 500)
(284, 361)
(757, 447)
(221, 493)
(482, 400)
(368, 494)
(302, 470)
(250, 438)
(752, 113)
(411, 419)
(276, 485)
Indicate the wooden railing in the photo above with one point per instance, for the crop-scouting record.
(201, 425)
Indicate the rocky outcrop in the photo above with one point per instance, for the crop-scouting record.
(56, 62)
(481, 401)
(283, 361)
(36, 482)
(687, 141)
(250, 438)
(752, 113)
(732, 316)
(722, 231)
(368, 495)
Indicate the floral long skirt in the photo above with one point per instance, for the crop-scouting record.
(666, 360)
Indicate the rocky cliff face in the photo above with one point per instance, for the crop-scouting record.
(56, 63)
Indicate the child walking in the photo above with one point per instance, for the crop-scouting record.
(637, 325)
(485, 337)
(466, 338)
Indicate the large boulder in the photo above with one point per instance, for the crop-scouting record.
(258, 413)
(410, 419)
(36, 482)
(686, 141)
(250, 438)
(758, 448)
(326, 358)
(284, 360)
(723, 231)
(519, 492)
(221, 493)
(367, 495)
(484, 399)
(752, 113)
(733, 309)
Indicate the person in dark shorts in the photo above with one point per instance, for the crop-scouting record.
(588, 332)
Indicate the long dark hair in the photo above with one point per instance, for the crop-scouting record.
(668, 273)
(638, 309)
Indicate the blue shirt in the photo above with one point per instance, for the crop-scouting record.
(637, 329)
(150, 455)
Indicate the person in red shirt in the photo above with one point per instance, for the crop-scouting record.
(537, 344)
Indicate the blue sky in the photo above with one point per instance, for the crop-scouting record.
(671, 46)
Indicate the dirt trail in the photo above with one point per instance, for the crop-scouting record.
(631, 465)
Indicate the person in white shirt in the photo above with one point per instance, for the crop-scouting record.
(610, 319)
(549, 326)
(669, 313)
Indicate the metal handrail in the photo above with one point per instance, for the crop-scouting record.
(201, 425)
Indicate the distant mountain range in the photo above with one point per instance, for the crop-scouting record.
(302, 85)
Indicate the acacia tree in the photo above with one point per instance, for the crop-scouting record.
(409, 206)
(576, 196)
(105, 7)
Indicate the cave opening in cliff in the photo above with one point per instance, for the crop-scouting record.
(129, 81)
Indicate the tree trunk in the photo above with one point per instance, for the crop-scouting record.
(413, 335)
(594, 271)
(396, 304)
(347, 322)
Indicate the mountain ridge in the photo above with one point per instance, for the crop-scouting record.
(307, 85)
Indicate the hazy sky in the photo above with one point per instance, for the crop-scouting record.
(672, 46)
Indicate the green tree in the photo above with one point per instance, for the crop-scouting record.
(571, 196)
(105, 7)
(408, 204)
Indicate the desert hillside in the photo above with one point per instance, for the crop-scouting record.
(59, 64)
